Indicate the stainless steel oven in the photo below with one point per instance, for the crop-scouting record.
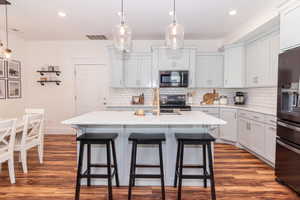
(174, 79)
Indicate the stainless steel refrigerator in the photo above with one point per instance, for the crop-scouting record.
(287, 167)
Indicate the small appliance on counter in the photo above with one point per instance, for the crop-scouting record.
(239, 98)
(174, 79)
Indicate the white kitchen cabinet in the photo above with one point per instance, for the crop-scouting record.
(262, 61)
(209, 71)
(174, 59)
(270, 143)
(244, 132)
(117, 68)
(234, 66)
(257, 130)
(289, 25)
(138, 71)
(229, 131)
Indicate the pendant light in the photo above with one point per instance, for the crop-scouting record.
(174, 32)
(6, 52)
(122, 33)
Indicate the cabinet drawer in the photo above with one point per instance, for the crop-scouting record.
(244, 114)
(271, 120)
(212, 111)
(257, 117)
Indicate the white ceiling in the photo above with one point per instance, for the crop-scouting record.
(202, 19)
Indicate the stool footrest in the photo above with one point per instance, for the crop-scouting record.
(85, 175)
(147, 166)
(192, 176)
(101, 165)
(147, 176)
(193, 166)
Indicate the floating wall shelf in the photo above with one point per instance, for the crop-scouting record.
(45, 72)
(43, 82)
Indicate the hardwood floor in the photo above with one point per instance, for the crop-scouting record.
(239, 176)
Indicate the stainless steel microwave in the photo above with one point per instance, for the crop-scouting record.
(174, 79)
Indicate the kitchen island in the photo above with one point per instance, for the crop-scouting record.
(125, 122)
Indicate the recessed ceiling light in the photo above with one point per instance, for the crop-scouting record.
(232, 12)
(61, 14)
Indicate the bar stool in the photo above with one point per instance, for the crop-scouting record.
(205, 140)
(97, 138)
(146, 138)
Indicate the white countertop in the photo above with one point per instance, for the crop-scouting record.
(128, 118)
(258, 109)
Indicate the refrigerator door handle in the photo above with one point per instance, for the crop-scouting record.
(295, 128)
(288, 147)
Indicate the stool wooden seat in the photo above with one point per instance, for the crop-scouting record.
(97, 138)
(146, 138)
(205, 140)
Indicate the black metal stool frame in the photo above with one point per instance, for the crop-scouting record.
(180, 166)
(133, 166)
(87, 174)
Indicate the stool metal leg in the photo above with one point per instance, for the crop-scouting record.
(109, 170)
(115, 163)
(180, 170)
(204, 165)
(211, 171)
(162, 172)
(131, 171)
(177, 164)
(78, 182)
(134, 164)
(89, 164)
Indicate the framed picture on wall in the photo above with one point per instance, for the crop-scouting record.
(14, 69)
(2, 89)
(2, 68)
(13, 89)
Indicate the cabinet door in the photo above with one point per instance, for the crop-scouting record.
(263, 58)
(145, 72)
(209, 71)
(131, 71)
(244, 132)
(229, 131)
(251, 64)
(274, 54)
(174, 60)
(270, 143)
(117, 71)
(257, 138)
(234, 72)
(289, 28)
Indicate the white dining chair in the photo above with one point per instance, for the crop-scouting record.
(31, 136)
(7, 142)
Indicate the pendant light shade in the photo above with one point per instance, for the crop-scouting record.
(122, 33)
(174, 33)
(1, 49)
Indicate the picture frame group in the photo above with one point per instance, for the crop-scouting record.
(10, 79)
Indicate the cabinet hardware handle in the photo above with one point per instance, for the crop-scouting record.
(288, 147)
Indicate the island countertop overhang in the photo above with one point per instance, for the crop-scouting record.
(128, 118)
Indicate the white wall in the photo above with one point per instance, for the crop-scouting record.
(59, 100)
(15, 107)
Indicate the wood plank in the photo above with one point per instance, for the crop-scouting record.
(239, 175)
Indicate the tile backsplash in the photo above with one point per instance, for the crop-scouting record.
(264, 97)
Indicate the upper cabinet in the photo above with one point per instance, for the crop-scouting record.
(289, 25)
(166, 59)
(117, 68)
(138, 71)
(234, 66)
(209, 70)
(262, 61)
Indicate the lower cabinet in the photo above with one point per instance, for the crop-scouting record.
(244, 132)
(270, 143)
(257, 130)
(229, 131)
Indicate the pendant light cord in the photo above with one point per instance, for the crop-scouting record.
(6, 26)
(174, 11)
(122, 12)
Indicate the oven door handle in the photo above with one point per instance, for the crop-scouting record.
(295, 128)
(288, 147)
